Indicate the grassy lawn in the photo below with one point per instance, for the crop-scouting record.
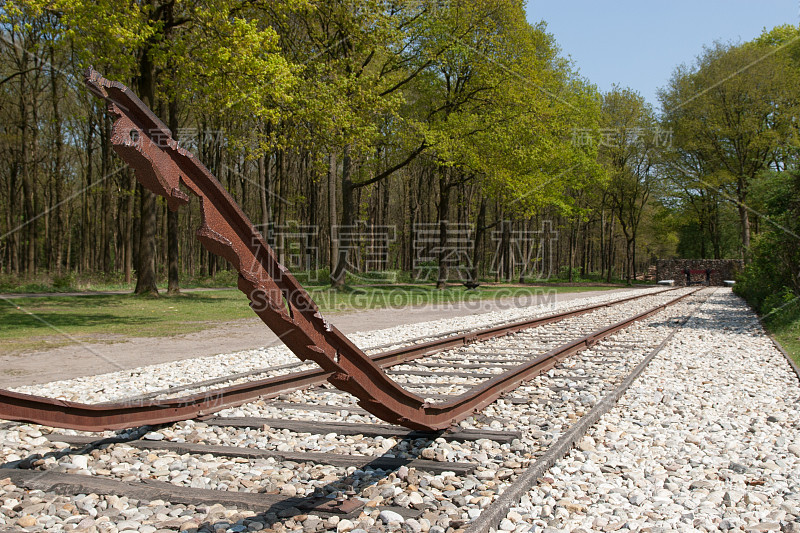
(96, 282)
(788, 334)
(784, 323)
(38, 323)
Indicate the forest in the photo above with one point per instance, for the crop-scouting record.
(441, 142)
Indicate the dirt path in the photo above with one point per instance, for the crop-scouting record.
(86, 359)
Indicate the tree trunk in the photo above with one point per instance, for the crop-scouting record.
(571, 258)
(11, 221)
(107, 218)
(173, 271)
(263, 199)
(443, 212)
(68, 253)
(58, 182)
(628, 260)
(146, 267)
(83, 249)
(585, 249)
(280, 191)
(525, 251)
(339, 273)
(715, 233)
(610, 250)
(128, 227)
(480, 228)
(25, 174)
(333, 251)
(602, 241)
(173, 251)
(508, 255)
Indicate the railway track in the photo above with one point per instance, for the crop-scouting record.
(165, 406)
(145, 143)
(314, 460)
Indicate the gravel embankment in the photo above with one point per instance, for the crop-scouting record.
(707, 439)
(443, 502)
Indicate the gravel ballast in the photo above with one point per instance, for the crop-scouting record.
(115, 386)
(707, 439)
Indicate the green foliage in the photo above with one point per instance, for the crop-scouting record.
(64, 282)
(771, 282)
(228, 64)
(474, 95)
(786, 328)
(729, 128)
(564, 273)
(630, 153)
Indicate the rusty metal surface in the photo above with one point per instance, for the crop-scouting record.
(136, 412)
(163, 167)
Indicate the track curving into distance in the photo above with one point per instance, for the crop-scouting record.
(160, 165)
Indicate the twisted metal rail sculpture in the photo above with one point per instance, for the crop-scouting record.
(163, 167)
(160, 165)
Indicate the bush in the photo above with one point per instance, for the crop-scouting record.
(563, 273)
(772, 278)
(64, 282)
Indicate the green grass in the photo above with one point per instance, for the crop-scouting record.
(43, 322)
(99, 282)
(590, 278)
(789, 337)
(784, 324)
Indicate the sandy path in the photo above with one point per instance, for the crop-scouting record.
(85, 359)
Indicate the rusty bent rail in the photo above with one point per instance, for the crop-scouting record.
(136, 412)
(146, 144)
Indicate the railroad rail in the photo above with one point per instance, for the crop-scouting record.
(146, 144)
(138, 412)
(556, 415)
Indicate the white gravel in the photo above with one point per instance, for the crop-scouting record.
(707, 439)
(445, 501)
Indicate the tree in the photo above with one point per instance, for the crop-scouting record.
(212, 52)
(732, 112)
(630, 151)
(501, 110)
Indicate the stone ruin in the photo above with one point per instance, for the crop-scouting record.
(685, 272)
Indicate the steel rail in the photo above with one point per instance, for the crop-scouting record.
(528, 479)
(160, 165)
(451, 339)
(138, 412)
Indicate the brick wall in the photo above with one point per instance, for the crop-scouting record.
(675, 269)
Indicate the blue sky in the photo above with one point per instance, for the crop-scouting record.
(638, 44)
